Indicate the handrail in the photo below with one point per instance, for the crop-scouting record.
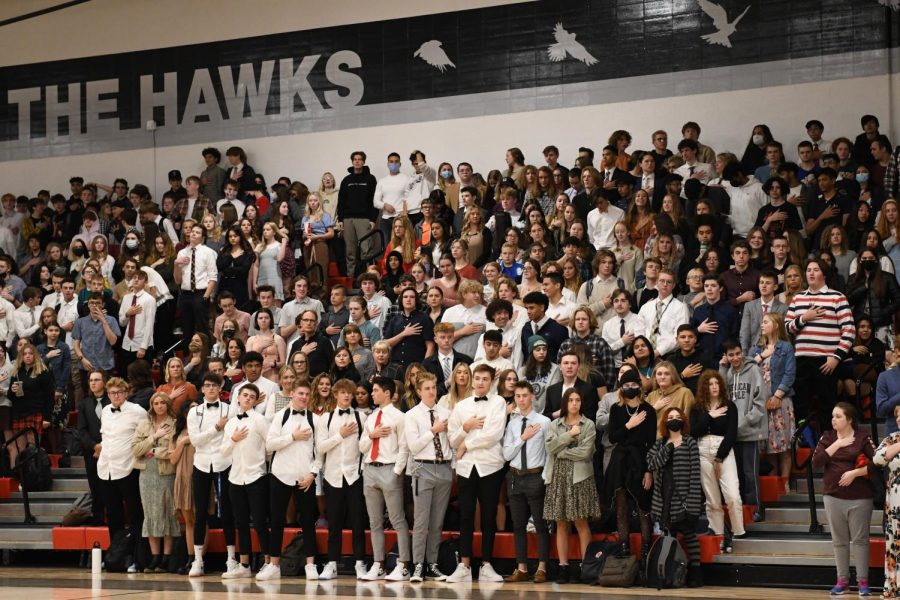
(814, 525)
(873, 418)
(376, 250)
(29, 518)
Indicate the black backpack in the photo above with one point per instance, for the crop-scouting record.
(117, 555)
(594, 557)
(667, 563)
(391, 558)
(293, 560)
(448, 555)
(34, 465)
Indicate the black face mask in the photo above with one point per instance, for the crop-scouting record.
(868, 265)
(78, 251)
(631, 393)
(228, 333)
(674, 425)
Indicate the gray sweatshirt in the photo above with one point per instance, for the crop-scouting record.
(745, 387)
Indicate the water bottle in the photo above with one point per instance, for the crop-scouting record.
(96, 559)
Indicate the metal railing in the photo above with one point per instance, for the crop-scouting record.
(20, 467)
(807, 431)
(873, 416)
(375, 252)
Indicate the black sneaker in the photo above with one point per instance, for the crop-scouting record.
(727, 542)
(418, 574)
(434, 573)
(563, 575)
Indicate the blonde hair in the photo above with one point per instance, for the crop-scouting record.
(318, 214)
(216, 233)
(454, 392)
(470, 285)
(169, 364)
(778, 330)
(673, 372)
(407, 246)
(38, 367)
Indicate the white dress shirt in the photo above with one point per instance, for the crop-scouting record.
(687, 171)
(601, 226)
(612, 332)
(265, 386)
(8, 322)
(512, 335)
(205, 269)
(745, 204)
(248, 456)
(289, 313)
(484, 447)
(28, 320)
(143, 321)
(207, 441)
(391, 448)
(340, 456)
(68, 313)
(117, 428)
(378, 301)
(419, 437)
(674, 313)
(535, 449)
(293, 459)
(562, 310)
(461, 316)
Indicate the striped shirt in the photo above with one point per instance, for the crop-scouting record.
(830, 335)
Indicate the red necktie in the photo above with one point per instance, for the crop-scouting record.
(131, 319)
(374, 454)
(765, 309)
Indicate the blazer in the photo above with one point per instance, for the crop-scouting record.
(589, 399)
(433, 366)
(89, 423)
(247, 179)
(553, 332)
(782, 367)
(751, 321)
(560, 445)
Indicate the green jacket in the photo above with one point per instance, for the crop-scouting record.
(579, 449)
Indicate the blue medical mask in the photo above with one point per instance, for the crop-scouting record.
(394, 168)
(446, 174)
(862, 177)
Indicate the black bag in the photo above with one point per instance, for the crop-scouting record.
(117, 555)
(595, 555)
(618, 571)
(448, 555)
(80, 511)
(34, 465)
(71, 443)
(293, 560)
(667, 563)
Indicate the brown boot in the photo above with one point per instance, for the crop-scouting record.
(540, 576)
(517, 576)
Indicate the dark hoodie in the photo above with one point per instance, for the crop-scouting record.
(356, 196)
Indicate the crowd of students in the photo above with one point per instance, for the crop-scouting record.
(545, 346)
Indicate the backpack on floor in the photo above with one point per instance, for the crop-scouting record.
(35, 468)
(666, 563)
(116, 560)
(596, 554)
(293, 559)
(391, 558)
(619, 571)
(448, 555)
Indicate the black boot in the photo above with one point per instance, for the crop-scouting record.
(163, 566)
(563, 574)
(151, 568)
(694, 576)
(187, 566)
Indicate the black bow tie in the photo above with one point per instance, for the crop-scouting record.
(343, 411)
(213, 405)
(480, 398)
(302, 413)
(116, 409)
(242, 415)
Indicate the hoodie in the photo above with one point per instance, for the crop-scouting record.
(745, 389)
(356, 196)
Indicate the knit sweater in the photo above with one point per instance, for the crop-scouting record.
(830, 335)
(685, 464)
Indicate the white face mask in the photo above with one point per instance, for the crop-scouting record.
(758, 139)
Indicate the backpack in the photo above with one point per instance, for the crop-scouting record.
(448, 555)
(80, 511)
(667, 563)
(34, 465)
(117, 554)
(595, 555)
(286, 414)
(618, 571)
(293, 560)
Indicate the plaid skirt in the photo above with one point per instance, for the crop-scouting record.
(20, 423)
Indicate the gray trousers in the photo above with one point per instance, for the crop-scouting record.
(353, 230)
(381, 486)
(849, 521)
(747, 456)
(526, 498)
(431, 494)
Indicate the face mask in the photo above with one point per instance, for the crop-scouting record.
(194, 347)
(394, 167)
(228, 333)
(868, 265)
(78, 251)
(131, 244)
(446, 174)
(631, 393)
(758, 139)
(862, 177)
(674, 425)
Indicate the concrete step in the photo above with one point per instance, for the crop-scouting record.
(70, 485)
(800, 514)
(70, 472)
(773, 559)
(801, 486)
(775, 528)
(56, 510)
(77, 462)
(27, 534)
(70, 495)
(25, 545)
(781, 546)
(7, 520)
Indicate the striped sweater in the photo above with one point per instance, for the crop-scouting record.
(830, 335)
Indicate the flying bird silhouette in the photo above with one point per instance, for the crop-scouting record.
(566, 45)
(432, 53)
(720, 21)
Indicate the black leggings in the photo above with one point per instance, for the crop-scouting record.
(202, 483)
(306, 507)
(248, 501)
(623, 521)
(486, 491)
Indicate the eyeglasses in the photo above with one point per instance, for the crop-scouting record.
(116, 392)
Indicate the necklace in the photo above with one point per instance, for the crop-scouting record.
(628, 410)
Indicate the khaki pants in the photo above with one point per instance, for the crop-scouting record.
(354, 229)
(726, 485)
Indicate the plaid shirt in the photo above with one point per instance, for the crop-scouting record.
(604, 361)
(892, 176)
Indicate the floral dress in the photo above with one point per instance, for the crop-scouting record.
(891, 516)
(781, 420)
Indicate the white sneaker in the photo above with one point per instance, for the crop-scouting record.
(530, 528)
(400, 573)
(231, 564)
(373, 574)
(361, 571)
(239, 572)
(196, 568)
(418, 575)
(269, 572)
(462, 574)
(329, 571)
(487, 573)
(312, 573)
